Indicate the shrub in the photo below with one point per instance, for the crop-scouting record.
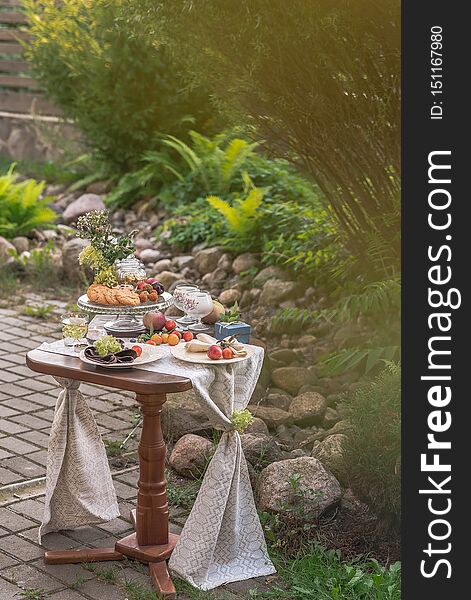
(118, 83)
(21, 206)
(321, 82)
(373, 450)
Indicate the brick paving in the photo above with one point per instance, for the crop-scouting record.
(27, 402)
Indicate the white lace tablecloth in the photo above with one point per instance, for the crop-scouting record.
(222, 540)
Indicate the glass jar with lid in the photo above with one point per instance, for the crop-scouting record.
(130, 270)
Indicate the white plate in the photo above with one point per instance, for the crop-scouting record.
(201, 358)
(149, 354)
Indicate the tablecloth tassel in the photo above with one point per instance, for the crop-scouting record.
(222, 540)
(79, 487)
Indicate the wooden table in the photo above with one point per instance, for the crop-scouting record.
(151, 543)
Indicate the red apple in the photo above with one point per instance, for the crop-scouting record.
(154, 320)
(151, 280)
(214, 352)
(170, 325)
(141, 285)
(188, 336)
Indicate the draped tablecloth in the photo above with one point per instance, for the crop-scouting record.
(222, 540)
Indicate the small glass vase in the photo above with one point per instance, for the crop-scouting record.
(74, 329)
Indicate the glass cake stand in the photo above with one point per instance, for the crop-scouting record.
(124, 320)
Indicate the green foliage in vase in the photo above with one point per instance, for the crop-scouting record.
(373, 451)
(22, 208)
(121, 85)
(106, 247)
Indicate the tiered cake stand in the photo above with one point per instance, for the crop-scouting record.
(124, 320)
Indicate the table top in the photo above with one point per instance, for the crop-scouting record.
(134, 380)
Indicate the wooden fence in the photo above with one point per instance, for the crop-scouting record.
(19, 92)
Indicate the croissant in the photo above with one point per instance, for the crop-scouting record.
(117, 296)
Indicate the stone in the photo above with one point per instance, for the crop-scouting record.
(206, 260)
(182, 414)
(182, 262)
(230, 297)
(257, 426)
(273, 417)
(84, 204)
(22, 144)
(308, 409)
(307, 340)
(143, 244)
(149, 255)
(100, 187)
(283, 355)
(290, 379)
(5, 247)
(191, 455)
(225, 262)
(162, 265)
(275, 291)
(330, 418)
(260, 450)
(278, 400)
(317, 490)
(167, 279)
(271, 272)
(215, 278)
(331, 454)
(70, 265)
(244, 262)
(21, 243)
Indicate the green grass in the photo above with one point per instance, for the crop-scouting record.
(33, 594)
(38, 311)
(320, 574)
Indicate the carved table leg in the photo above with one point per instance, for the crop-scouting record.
(151, 543)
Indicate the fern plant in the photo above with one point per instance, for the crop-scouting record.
(241, 216)
(21, 207)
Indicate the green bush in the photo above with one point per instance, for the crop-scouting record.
(321, 82)
(21, 206)
(373, 450)
(118, 83)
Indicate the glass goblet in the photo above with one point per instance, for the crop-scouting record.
(74, 329)
(179, 294)
(198, 305)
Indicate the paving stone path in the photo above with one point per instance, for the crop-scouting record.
(27, 402)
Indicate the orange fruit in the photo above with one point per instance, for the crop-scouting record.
(151, 343)
(173, 339)
(227, 353)
(164, 337)
(157, 338)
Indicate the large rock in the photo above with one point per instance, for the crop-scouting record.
(273, 417)
(183, 262)
(308, 409)
(21, 243)
(230, 297)
(149, 255)
(278, 399)
(331, 454)
(167, 279)
(5, 247)
(257, 426)
(271, 272)
(244, 262)
(260, 450)
(274, 291)
(316, 488)
(190, 455)
(291, 379)
(206, 260)
(84, 204)
(182, 414)
(70, 265)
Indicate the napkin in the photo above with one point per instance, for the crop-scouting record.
(203, 341)
(121, 357)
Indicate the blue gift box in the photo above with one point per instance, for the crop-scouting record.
(242, 330)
